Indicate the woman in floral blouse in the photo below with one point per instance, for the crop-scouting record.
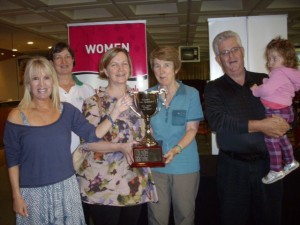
(112, 191)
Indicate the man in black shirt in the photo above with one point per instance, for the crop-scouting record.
(238, 119)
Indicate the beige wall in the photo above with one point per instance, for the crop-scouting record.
(9, 81)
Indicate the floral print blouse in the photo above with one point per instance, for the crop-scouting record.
(107, 178)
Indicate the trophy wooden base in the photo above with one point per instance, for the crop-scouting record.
(145, 156)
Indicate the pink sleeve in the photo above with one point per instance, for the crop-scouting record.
(270, 85)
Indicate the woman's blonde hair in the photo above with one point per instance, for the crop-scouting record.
(34, 66)
(108, 56)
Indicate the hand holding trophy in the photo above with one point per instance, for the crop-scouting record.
(147, 153)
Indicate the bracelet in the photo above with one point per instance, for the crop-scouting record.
(110, 120)
(179, 147)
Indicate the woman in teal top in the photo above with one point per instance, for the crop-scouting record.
(175, 127)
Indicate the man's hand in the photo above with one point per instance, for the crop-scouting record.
(274, 126)
(253, 87)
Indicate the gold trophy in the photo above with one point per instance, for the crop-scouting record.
(147, 153)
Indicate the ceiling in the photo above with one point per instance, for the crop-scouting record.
(169, 22)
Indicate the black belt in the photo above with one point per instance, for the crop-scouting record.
(245, 157)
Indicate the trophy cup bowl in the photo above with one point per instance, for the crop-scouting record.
(147, 153)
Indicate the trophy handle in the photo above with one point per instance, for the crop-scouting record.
(162, 90)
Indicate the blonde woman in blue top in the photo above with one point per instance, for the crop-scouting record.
(175, 127)
(37, 142)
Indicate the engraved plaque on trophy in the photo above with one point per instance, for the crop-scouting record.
(148, 153)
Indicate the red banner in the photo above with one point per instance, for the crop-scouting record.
(91, 40)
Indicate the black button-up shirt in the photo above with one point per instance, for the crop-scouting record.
(228, 108)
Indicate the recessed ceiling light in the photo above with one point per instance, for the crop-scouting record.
(30, 42)
(49, 47)
(14, 50)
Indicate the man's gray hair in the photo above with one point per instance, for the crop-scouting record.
(224, 36)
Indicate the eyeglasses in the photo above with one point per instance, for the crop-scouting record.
(226, 53)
